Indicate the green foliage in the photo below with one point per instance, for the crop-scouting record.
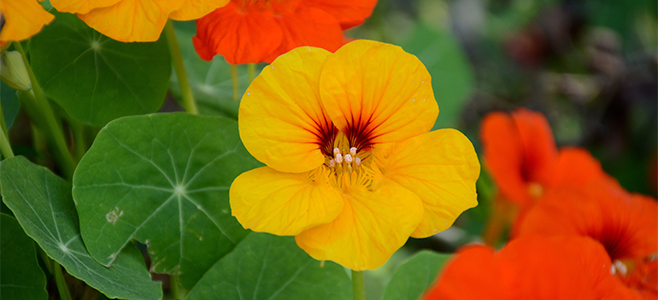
(264, 266)
(9, 103)
(414, 276)
(43, 206)
(20, 275)
(97, 79)
(452, 77)
(163, 180)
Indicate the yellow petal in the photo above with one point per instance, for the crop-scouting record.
(80, 6)
(441, 167)
(23, 19)
(379, 90)
(194, 9)
(371, 227)
(281, 120)
(266, 200)
(132, 20)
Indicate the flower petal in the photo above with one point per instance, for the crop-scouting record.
(266, 200)
(281, 120)
(349, 13)
(372, 225)
(23, 19)
(240, 36)
(441, 167)
(194, 9)
(80, 6)
(132, 20)
(377, 91)
(307, 26)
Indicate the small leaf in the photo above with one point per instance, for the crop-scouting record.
(20, 275)
(414, 276)
(9, 103)
(264, 266)
(163, 180)
(452, 77)
(97, 79)
(42, 204)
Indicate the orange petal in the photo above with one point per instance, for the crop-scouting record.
(194, 9)
(349, 13)
(534, 267)
(377, 93)
(441, 167)
(281, 120)
(371, 227)
(23, 19)
(266, 200)
(626, 225)
(307, 26)
(132, 20)
(519, 150)
(577, 167)
(80, 6)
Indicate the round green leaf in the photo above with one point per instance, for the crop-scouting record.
(20, 275)
(43, 206)
(264, 266)
(163, 180)
(97, 79)
(412, 278)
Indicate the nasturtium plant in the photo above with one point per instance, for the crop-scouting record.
(264, 266)
(42, 204)
(97, 79)
(9, 103)
(20, 275)
(163, 180)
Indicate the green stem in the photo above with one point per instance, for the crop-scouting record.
(357, 285)
(79, 137)
(2, 122)
(61, 282)
(5, 148)
(251, 68)
(40, 112)
(177, 291)
(234, 77)
(179, 67)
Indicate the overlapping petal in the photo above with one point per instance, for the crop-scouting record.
(132, 20)
(378, 91)
(281, 118)
(534, 267)
(194, 9)
(80, 6)
(441, 167)
(282, 203)
(372, 225)
(240, 37)
(23, 19)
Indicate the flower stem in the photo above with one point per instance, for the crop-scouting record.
(5, 148)
(3, 124)
(357, 285)
(177, 291)
(61, 282)
(37, 107)
(251, 68)
(234, 77)
(179, 67)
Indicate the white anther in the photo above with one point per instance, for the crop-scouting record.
(357, 161)
(353, 151)
(332, 163)
(339, 158)
(348, 158)
(336, 151)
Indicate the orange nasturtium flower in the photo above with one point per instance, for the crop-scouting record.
(135, 20)
(352, 170)
(23, 19)
(253, 31)
(531, 267)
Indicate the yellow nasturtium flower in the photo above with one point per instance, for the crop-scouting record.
(352, 170)
(135, 20)
(23, 19)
